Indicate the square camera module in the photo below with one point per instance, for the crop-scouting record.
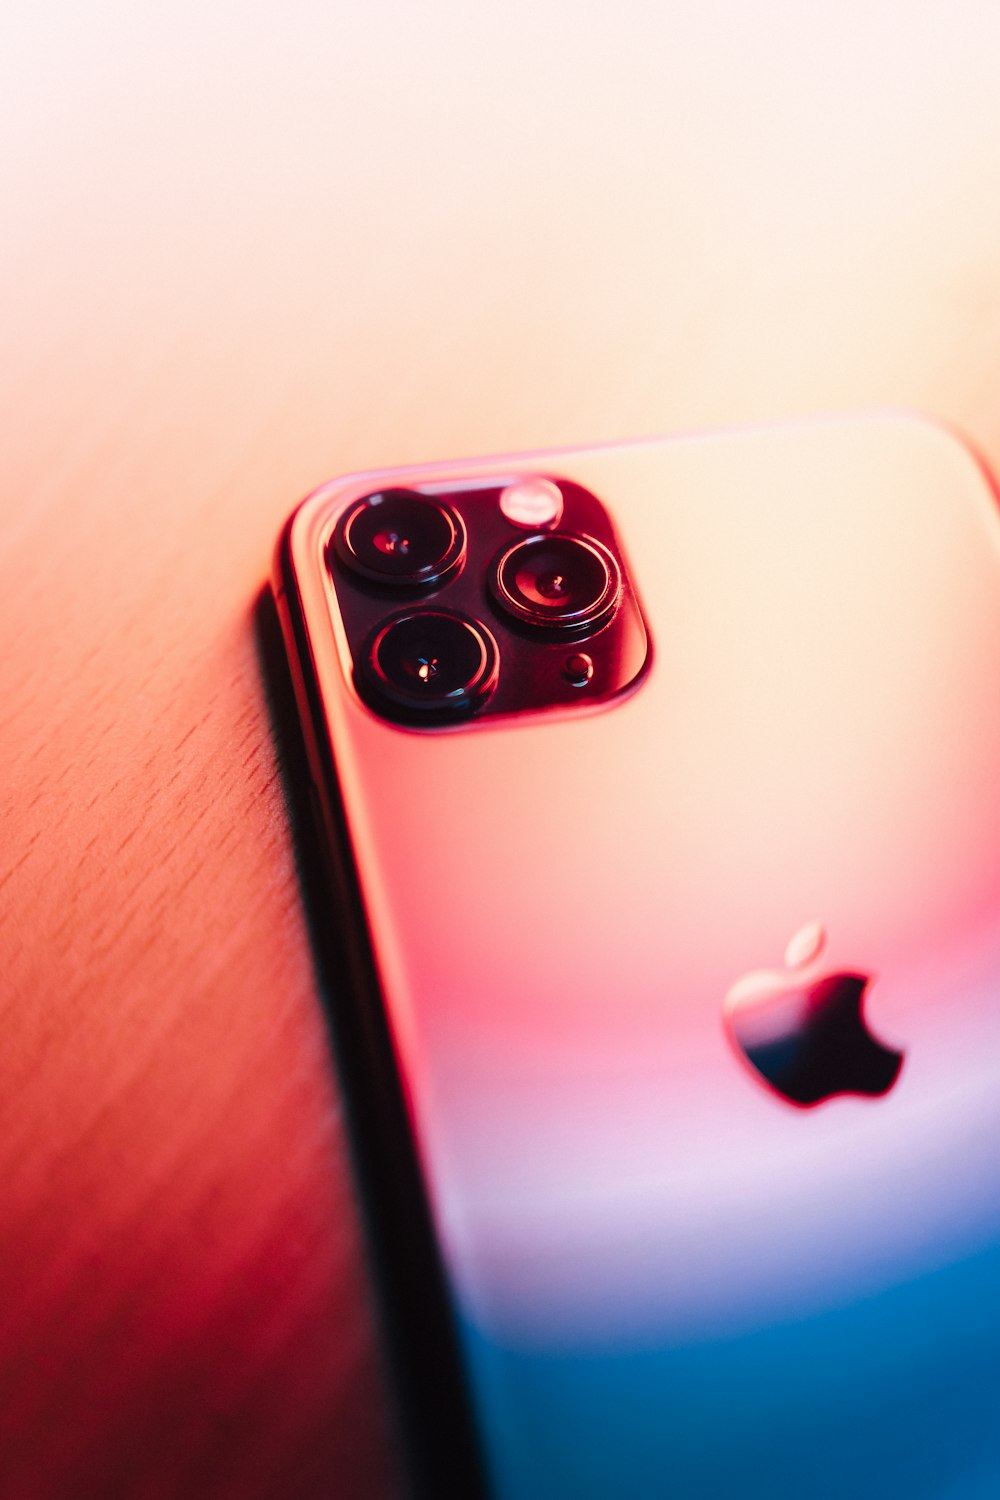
(464, 602)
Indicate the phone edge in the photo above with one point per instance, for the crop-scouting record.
(440, 1447)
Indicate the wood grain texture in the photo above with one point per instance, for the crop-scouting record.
(243, 252)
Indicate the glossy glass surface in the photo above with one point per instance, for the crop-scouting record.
(669, 1279)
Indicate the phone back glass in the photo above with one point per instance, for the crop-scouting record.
(668, 1280)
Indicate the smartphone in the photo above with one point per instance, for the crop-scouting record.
(659, 790)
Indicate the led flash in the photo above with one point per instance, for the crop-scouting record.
(533, 503)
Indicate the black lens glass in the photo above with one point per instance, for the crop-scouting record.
(397, 537)
(558, 581)
(431, 663)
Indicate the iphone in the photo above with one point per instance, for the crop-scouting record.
(659, 792)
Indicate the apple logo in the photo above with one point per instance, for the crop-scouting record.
(804, 1033)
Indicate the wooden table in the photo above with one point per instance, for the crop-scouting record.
(245, 249)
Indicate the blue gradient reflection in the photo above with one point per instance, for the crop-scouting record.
(897, 1396)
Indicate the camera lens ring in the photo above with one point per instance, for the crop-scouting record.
(401, 539)
(540, 573)
(429, 665)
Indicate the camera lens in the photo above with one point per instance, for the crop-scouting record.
(431, 664)
(400, 538)
(558, 582)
